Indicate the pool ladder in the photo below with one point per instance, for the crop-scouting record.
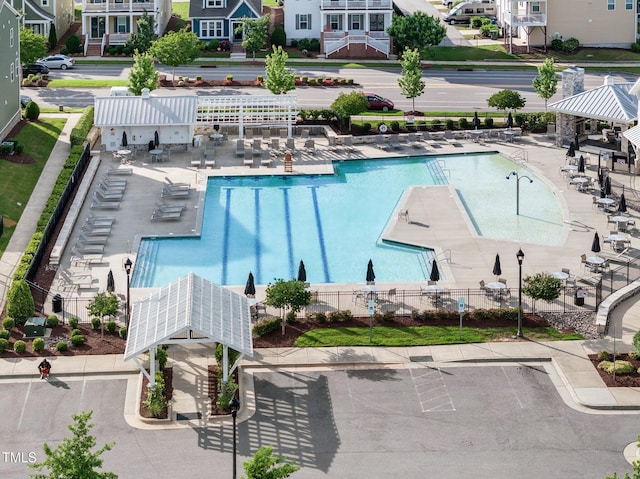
(437, 171)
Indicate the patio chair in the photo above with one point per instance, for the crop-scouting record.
(395, 142)
(159, 216)
(304, 134)
(266, 135)
(413, 141)
(381, 143)
(275, 145)
(248, 157)
(283, 134)
(93, 239)
(310, 147)
(88, 249)
(239, 147)
(111, 188)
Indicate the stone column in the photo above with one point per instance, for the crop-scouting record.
(572, 84)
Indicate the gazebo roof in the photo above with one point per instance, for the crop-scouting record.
(192, 310)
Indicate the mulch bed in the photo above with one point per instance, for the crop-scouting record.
(167, 374)
(631, 380)
(213, 389)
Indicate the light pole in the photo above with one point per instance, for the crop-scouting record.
(127, 268)
(234, 404)
(520, 256)
(518, 178)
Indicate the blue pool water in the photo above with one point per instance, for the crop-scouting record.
(334, 222)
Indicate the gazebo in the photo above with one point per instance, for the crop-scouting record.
(190, 310)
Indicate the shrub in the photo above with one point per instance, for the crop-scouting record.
(449, 124)
(20, 346)
(73, 323)
(321, 317)
(8, 323)
(229, 77)
(213, 45)
(314, 45)
(290, 318)
(488, 122)
(634, 355)
(19, 300)
(475, 22)
(52, 321)
(635, 46)
(32, 111)
(395, 125)
(366, 127)
(556, 44)
(77, 340)
(605, 356)
(4, 334)
(4, 345)
(61, 346)
(266, 325)
(294, 43)
(619, 367)
(123, 332)
(111, 326)
(64, 51)
(436, 122)
(95, 323)
(75, 332)
(635, 341)
(463, 122)
(73, 44)
(487, 30)
(38, 345)
(571, 45)
(154, 401)
(303, 44)
(162, 356)
(227, 392)
(279, 37)
(81, 130)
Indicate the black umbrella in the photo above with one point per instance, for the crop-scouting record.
(435, 273)
(510, 121)
(476, 121)
(156, 139)
(607, 186)
(600, 176)
(572, 150)
(577, 142)
(497, 270)
(250, 287)
(111, 285)
(371, 276)
(622, 208)
(302, 273)
(581, 164)
(595, 246)
(124, 139)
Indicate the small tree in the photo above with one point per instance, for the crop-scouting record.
(143, 73)
(506, 100)
(416, 31)
(636, 469)
(53, 37)
(256, 31)
(176, 48)
(32, 111)
(20, 304)
(32, 46)
(73, 456)
(287, 295)
(145, 36)
(348, 104)
(264, 465)
(103, 305)
(410, 81)
(546, 83)
(73, 43)
(278, 78)
(542, 286)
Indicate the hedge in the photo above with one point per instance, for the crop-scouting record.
(81, 130)
(266, 325)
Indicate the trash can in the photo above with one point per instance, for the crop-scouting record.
(578, 296)
(57, 303)
(494, 34)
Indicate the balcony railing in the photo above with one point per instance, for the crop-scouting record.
(536, 20)
(334, 41)
(118, 7)
(355, 5)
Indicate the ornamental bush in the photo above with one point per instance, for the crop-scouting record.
(279, 37)
(4, 345)
(123, 332)
(265, 326)
(111, 326)
(62, 346)
(73, 44)
(8, 323)
(38, 345)
(4, 334)
(52, 321)
(636, 341)
(75, 332)
(619, 367)
(95, 323)
(32, 111)
(81, 130)
(20, 346)
(77, 340)
(20, 304)
(605, 356)
(73, 323)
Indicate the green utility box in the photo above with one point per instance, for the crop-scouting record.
(35, 327)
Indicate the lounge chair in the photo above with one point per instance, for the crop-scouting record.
(169, 208)
(100, 220)
(160, 216)
(93, 239)
(83, 259)
(89, 230)
(108, 181)
(333, 143)
(119, 171)
(183, 186)
(248, 134)
(381, 143)
(275, 144)
(239, 147)
(209, 161)
(106, 196)
(170, 192)
(116, 188)
(89, 248)
(291, 145)
(265, 159)
(348, 143)
(104, 205)
(248, 157)
(395, 142)
(310, 147)
(449, 138)
(256, 148)
(413, 141)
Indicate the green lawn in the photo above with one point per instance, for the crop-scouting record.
(87, 83)
(18, 181)
(181, 9)
(460, 54)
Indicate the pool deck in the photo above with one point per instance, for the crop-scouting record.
(446, 228)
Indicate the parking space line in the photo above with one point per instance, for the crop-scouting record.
(431, 390)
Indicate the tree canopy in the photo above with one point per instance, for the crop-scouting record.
(176, 48)
(418, 30)
(506, 100)
(256, 31)
(542, 286)
(32, 46)
(264, 465)
(348, 104)
(410, 81)
(143, 73)
(546, 83)
(287, 295)
(146, 34)
(278, 78)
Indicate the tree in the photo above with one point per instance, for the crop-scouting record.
(542, 286)
(264, 465)
(348, 104)
(287, 295)
(20, 304)
(636, 469)
(73, 456)
(410, 81)
(146, 34)
(53, 38)
(278, 78)
(32, 46)
(255, 32)
(176, 48)
(506, 99)
(416, 31)
(103, 305)
(143, 73)
(546, 83)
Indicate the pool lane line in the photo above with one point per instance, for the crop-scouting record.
(287, 224)
(225, 236)
(257, 234)
(323, 249)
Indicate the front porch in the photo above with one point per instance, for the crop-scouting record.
(355, 44)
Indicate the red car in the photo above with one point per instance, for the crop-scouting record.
(376, 102)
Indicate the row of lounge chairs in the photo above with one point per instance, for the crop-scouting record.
(109, 193)
(164, 211)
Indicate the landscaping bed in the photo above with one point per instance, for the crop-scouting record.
(167, 374)
(631, 380)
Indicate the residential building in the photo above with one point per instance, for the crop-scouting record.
(594, 23)
(111, 22)
(346, 28)
(39, 15)
(220, 19)
(9, 68)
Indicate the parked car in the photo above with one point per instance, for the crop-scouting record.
(24, 99)
(376, 102)
(57, 61)
(34, 69)
(463, 12)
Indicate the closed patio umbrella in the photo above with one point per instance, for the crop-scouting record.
(622, 207)
(607, 186)
(111, 285)
(497, 270)
(581, 164)
(156, 139)
(476, 121)
(302, 272)
(572, 150)
(595, 246)
(371, 276)
(577, 142)
(600, 176)
(435, 273)
(124, 139)
(510, 121)
(250, 287)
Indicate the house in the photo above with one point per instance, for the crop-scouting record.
(111, 22)
(10, 68)
(346, 28)
(219, 19)
(603, 23)
(39, 15)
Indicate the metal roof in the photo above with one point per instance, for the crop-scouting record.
(633, 135)
(191, 309)
(609, 102)
(141, 110)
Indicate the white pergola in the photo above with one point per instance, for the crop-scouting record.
(248, 110)
(190, 310)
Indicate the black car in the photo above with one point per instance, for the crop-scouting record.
(34, 69)
(24, 100)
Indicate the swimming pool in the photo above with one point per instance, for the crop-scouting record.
(267, 224)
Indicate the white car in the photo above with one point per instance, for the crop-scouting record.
(58, 61)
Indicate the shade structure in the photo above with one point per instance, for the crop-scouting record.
(476, 121)
(577, 143)
(622, 207)
(607, 185)
(497, 270)
(156, 139)
(510, 120)
(435, 273)
(572, 150)
(124, 139)
(595, 246)
(250, 287)
(302, 272)
(111, 285)
(371, 276)
(581, 164)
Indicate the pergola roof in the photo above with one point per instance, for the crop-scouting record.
(611, 102)
(190, 310)
(145, 110)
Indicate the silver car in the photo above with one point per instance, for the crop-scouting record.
(58, 61)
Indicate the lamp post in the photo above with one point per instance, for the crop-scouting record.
(234, 404)
(520, 256)
(518, 178)
(127, 268)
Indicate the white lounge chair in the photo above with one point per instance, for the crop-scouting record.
(105, 205)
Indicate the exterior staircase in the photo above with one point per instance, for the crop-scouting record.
(94, 48)
(237, 52)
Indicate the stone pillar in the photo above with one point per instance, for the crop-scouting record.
(572, 84)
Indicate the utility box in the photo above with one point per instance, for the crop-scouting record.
(35, 327)
(579, 295)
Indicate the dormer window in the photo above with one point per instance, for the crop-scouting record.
(215, 3)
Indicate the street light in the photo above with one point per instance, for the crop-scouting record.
(520, 256)
(127, 268)
(234, 404)
(518, 178)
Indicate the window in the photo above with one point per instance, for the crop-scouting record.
(45, 3)
(17, 67)
(122, 25)
(376, 22)
(215, 3)
(535, 7)
(611, 4)
(334, 22)
(12, 71)
(355, 22)
(211, 29)
(628, 5)
(11, 38)
(303, 21)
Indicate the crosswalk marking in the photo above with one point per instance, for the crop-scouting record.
(431, 390)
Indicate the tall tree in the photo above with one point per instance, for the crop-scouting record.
(53, 37)
(176, 48)
(506, 100)
(32, 46)
(416, 31)
(278, 78)
(348, 104)
(542, 286)
(255, 32)
(287, 295)
(146, 34)
(410, 81)
(143, 73)
(546, 83)
(264, 465)
(73, 456)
